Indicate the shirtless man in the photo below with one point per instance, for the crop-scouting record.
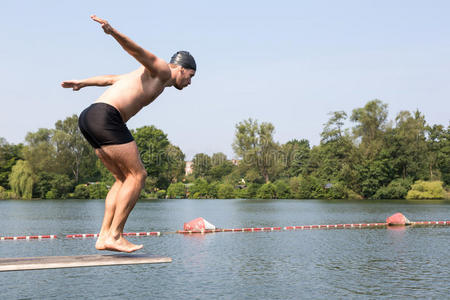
(103, 125)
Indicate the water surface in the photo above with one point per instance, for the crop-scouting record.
(354, 263)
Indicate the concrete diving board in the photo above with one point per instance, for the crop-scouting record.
(57, 262)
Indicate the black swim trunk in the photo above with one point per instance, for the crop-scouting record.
(101, 124)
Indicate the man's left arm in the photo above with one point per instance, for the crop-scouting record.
(157, 66)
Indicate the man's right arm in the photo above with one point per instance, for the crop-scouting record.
(151, 62)
(103, 80)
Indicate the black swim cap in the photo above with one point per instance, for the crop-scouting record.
(184, 59)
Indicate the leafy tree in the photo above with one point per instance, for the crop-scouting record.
(81, 192)
(61, 186)
(9, 155)
(370, 125)
(161, 160)
(201, 164)
(98, 190)
(435, 135)
(176, 190)
(161, 194)
(373, 175)
(336, 158)
(199, 189)
(43, 184)
(396, 189)
(220, 166)
(255, 145)
(21, 179)
(267, 191)
(225, 191)
(213, 189)
(218, 159)
(39, 151)
(409, 138)
(72, 148)
(282, 189)
(335, 190)
(249, 192)
(333, 128)
(438, 144)
(176, 165)
(426, 190)
(105, 175)
(297, 155)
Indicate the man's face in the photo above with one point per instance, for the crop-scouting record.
(184, 78)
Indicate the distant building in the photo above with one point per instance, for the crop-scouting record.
(188, 168)
(235, 162)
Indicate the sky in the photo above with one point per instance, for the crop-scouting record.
(285, 62)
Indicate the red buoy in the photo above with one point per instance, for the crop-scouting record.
(198, 225)
(397, 219)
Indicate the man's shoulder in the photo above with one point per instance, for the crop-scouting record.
(161, 73)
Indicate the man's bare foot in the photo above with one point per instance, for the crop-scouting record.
(120, 245)
(100, 244)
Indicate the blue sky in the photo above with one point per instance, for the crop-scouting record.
(287, 62)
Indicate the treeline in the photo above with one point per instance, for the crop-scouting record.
(376, 158)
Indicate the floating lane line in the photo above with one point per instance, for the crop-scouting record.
(246, 229)
(27, 237)
(95, 235)
(308, 227)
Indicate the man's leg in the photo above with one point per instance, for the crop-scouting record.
(126, 158)
(110, 201)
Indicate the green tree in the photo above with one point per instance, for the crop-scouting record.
(153, 146)
(98, 190)
(201, 164)
(255, 145)
(81, 192)
(334, 160)
(39, 152)
(370, 125)
(443, 161)
(410, 155)
(396, 189)
(373, 175)
(218, 158)
(426, 190)
(220, 166)
(176, 163)
(282, 189)
(297, 155)
(176, 190)
(248, 192)
(9, 155)
(438, 145)
(21, 179)
(333, 128)
(267, 191)
(72, 149)
(225, 191)
(199, 189)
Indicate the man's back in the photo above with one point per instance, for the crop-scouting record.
(132, 91)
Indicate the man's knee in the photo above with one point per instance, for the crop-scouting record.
(120, 178)
(141, 176)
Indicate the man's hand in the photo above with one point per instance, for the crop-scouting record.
(74, 84)
(105, 25)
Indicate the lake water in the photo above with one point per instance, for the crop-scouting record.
(319, 264)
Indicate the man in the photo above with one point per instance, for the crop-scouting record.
(103, 125)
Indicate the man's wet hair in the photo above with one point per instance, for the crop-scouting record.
(184, 59)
